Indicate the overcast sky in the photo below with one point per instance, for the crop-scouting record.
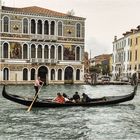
(104, 18)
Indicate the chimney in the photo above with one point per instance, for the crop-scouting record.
(115, 38)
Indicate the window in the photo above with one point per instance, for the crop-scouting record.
(52, 74)
(39, 27)
(59, 53)
(39, 55)
(46, 27)
(78, 30)
(33, 50)
(25, 74)
(136, 55)
(5, 50)
(78, 53)
(52, 28)
(32, 74)
(59, 28)
(6, 24)
(77, 74)
(25, 26)
(25, 51)
(59, 74)
(52, 51)
(5, 74)
(46, 52)
(33, 26)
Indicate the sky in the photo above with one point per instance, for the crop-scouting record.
(104, 18)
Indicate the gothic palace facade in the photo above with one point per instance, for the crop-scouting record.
(40, 42)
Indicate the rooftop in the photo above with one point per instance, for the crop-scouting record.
(39, 11)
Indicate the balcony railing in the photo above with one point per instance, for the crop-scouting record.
(39, 37)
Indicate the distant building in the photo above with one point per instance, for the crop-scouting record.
(102, 60)
(126, 54)
(40, 42)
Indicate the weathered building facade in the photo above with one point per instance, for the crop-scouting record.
(126, 54)
(40, 42)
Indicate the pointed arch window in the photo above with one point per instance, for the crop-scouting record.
(39, 55)
(39, 27)
(52, 52)
(77, 53)
(46, 28)
(25, 51)
(60, 28)
(59, 53)
(6, 74)
(25, 74)
(5, 50)
(33, 51)
(52, 74)
(32, 74)
(46, 52)
(78, 30)
(77, 74)
(25, 26)
(52, 28)
(59, 74)
(6, 24)
(33, 26)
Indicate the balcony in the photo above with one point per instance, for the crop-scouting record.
(43, 61)
(40, 37)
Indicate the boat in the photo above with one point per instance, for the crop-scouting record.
(107, 100)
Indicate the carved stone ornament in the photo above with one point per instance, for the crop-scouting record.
(15, 27)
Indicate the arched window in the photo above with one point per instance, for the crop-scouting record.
(52, 28)
(52, 74)
(77, 53)
(78, 30)
(59, 53)
(25, 51)
(33, 51)
(25, 25)
(46, 52)
(59, 74)
(39, 27)
(60, 28)
(6, 74)
(77, 74)
(6, 24)
(46, 28)
(5, 50)
(39, 55)
(32, 74)
(33, 26)
(25, 74)
(52, 52)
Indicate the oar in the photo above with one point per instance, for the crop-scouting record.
(30, 107)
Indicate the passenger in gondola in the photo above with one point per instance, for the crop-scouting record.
(66, 97)
(59, 98)
(37, 85)
(76, 97)
(86, 98)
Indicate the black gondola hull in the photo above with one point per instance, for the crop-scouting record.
(49, 104)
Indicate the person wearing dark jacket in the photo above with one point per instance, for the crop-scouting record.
(85, 98)
(76, 97)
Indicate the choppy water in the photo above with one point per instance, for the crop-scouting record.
(77, 123)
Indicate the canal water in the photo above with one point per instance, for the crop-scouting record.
(113, 122)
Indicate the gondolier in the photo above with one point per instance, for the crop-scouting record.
(37, 85)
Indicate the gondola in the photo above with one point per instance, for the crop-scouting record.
(110, 100)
